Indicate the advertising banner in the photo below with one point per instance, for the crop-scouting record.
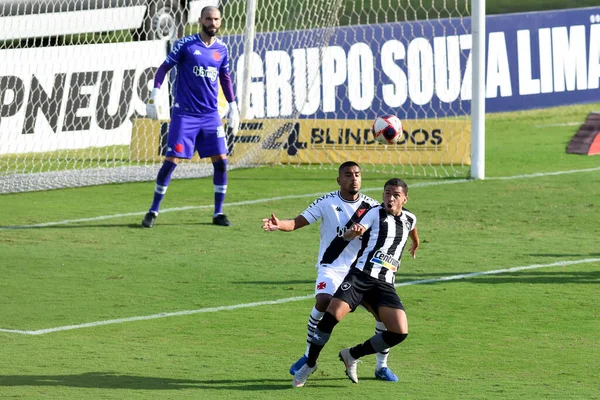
(423, 69)
(305, 141)
(73, 97)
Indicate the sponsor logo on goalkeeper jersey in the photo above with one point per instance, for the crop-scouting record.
(208, 72)
(385, 260)
(181, 42)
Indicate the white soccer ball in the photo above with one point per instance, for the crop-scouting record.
(387, 129)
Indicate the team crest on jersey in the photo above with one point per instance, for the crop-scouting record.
(216, 55)
(407, 225)
(321, 285)
(385, 260)
(345, 286)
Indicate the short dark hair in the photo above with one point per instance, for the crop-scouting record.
(346, 165)
(209, 8)
(397, 182)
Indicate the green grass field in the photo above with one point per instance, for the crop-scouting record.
(520, 334)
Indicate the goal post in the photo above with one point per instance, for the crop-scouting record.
(310, 77)
(477, 170)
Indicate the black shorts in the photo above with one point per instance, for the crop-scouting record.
(358, 287)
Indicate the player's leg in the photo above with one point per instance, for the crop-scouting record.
(211, 143)
(382, 371)
(180, 144)
(321, 302)
(220, 186)
(328, 280)
(392, 314)
(322, 333)
(346, 298)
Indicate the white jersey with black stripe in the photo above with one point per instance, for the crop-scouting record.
(383, 242)
(337, 215)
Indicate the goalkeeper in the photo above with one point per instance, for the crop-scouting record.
(195, 122)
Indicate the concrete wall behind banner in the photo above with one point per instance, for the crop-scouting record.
(423, 69)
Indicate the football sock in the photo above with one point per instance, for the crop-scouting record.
(220, 183)
(162, 182)
(320, 337)
(382, 356)
(377, 343)
(313, 320)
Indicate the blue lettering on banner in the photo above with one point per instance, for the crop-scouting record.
(423, 69)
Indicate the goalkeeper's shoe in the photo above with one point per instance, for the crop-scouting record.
(386, 374)
(350, 363)
(149, 218)
(221, 220)
(302, 375)
(298, 364)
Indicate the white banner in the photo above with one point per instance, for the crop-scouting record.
(73, 97)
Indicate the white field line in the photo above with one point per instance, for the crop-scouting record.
(289, 299)
(563, 124)
(299, 196)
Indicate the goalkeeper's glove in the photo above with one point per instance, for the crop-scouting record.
(151, 106)
(234, 118)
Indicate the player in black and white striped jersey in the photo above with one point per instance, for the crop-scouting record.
(385, 230)
(338, 211)
(383, 243)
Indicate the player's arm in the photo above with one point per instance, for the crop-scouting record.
(355, 231)
(414, 242)
(159, 77)
(227, 87)
(286, 225)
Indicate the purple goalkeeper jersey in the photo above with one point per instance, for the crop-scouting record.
(196, 88)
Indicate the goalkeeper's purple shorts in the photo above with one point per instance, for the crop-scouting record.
(188, 133)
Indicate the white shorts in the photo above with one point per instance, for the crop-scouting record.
(329, 279)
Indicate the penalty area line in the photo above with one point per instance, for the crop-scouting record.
(290, 299)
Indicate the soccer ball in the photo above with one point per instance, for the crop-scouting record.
(387, 129)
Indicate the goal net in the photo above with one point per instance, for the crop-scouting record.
(75, 77)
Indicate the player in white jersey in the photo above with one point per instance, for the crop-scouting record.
(384, 229)
(338, 211)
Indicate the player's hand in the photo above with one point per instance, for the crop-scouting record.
(413, 249)
(355, 231)
(270, 224)
(151, 107)
(234, 117)
(414, 245)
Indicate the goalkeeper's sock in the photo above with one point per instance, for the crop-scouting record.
(220, 183)
(162, 182)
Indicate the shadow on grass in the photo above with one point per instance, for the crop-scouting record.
(107, 380)
(563, 276)
(566, 255)
(527, 277)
